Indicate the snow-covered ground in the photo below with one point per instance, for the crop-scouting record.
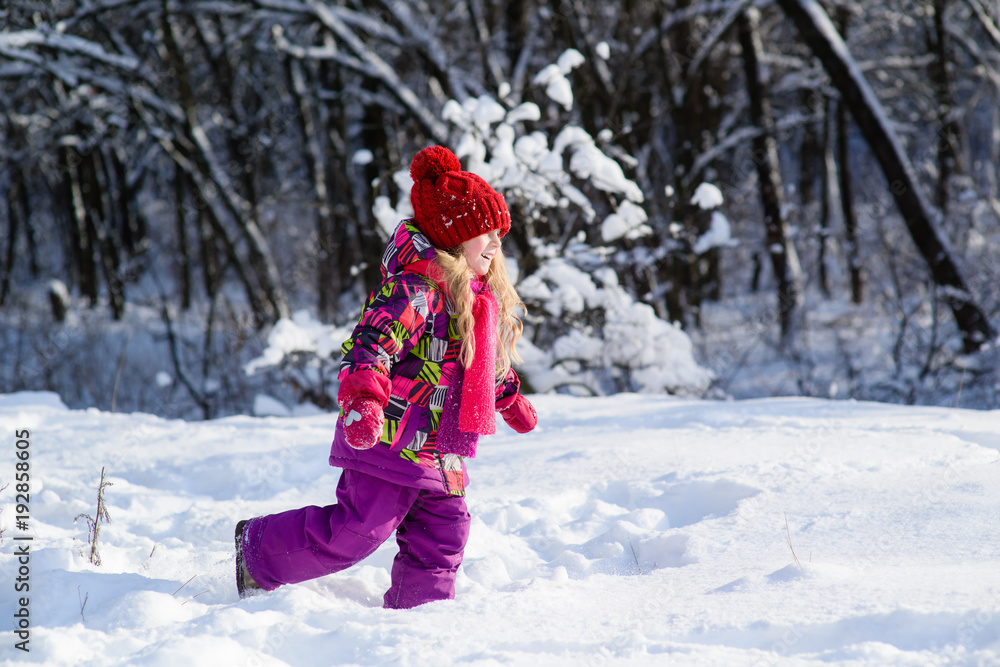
(630, 530)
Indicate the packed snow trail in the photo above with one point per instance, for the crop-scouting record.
(630, 530)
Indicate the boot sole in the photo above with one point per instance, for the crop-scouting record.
(240, 565)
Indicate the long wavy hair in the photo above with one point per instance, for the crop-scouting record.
(458, 274)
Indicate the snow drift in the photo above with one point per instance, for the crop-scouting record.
(630, 530)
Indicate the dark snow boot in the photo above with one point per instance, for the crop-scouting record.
(245, 585)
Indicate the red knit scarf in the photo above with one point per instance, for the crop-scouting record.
(477, 414)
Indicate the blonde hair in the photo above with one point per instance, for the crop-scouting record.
(457, 275)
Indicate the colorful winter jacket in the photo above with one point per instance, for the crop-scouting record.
(407, 333)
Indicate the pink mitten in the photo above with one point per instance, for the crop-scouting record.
(362, 396)
(518, 412)
(363, 420)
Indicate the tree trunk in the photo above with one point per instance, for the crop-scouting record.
(847, 206)
(60, 194)
(991, 174)
(826, 171)
(317, 169)
(812, 153)
(516, 23)
(784, 258)
(493, 74)
(845, 186)
(83, 250)
(949, 133)
(180, 221)
(212, 265)
(922, 221)
(29, 232)
(338, 252)
(16, 218)
(132, 230)
(104, 197)
(686, 115)
(374, 122)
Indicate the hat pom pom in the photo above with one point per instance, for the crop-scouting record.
(432, 162)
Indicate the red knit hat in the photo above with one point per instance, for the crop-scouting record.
(451, 206)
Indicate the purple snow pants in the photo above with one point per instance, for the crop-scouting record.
(431, 531)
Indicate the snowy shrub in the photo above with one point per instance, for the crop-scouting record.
(583, 335)
(306, 354)
(595, 339)
(708, 197)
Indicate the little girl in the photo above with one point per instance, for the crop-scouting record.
(426, 368)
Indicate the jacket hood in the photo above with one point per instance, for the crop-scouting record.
(407, 246)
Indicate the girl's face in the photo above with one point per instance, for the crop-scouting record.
(480, 251)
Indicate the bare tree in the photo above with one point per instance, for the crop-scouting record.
(845, 185)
